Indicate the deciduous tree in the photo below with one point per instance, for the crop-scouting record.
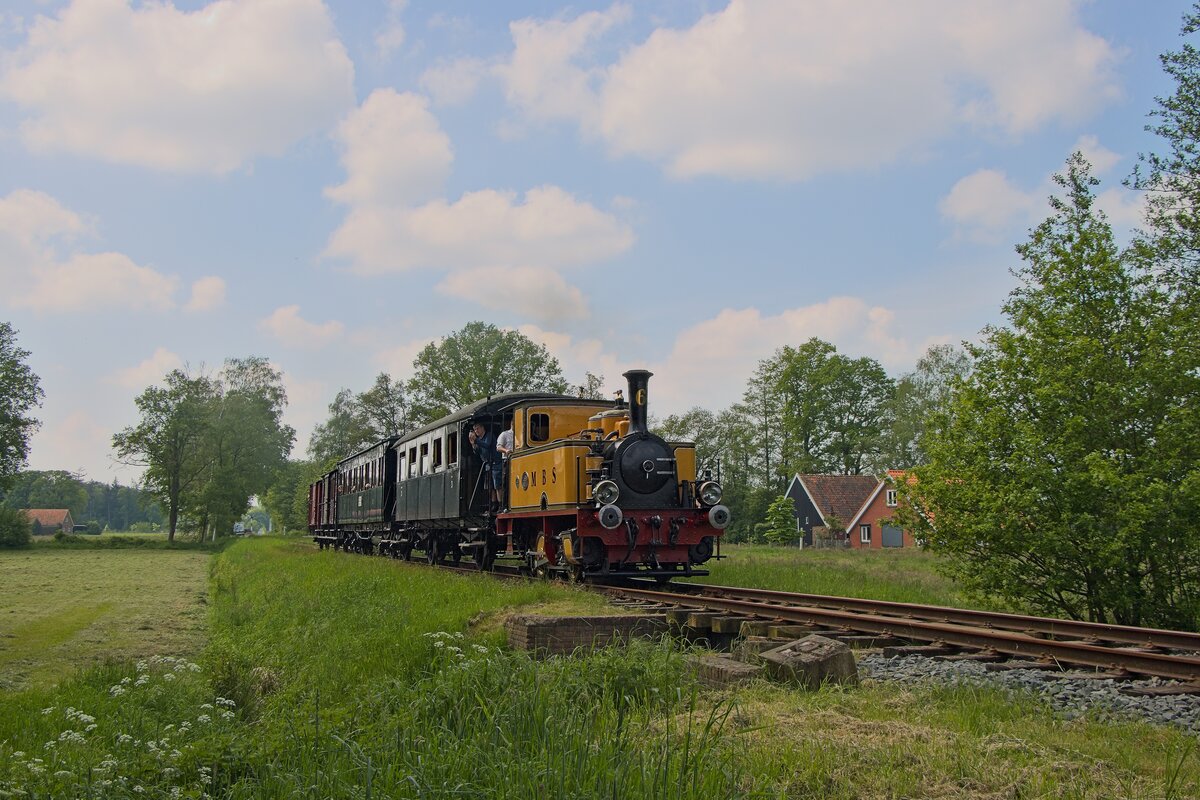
(478, 361)
(1063, 473)
(169, 441)
(19, 394)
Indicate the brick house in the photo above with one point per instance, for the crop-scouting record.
(826, 503)
(50, 520)
(871, 527)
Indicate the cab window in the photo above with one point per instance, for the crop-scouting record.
(539, 427)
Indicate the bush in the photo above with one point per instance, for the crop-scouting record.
(15, 530)
(93, 528)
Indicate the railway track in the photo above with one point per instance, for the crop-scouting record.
(1116, 651)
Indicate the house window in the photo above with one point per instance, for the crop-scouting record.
(864, 534)
(891, 498)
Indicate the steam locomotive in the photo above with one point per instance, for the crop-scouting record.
(589, 492)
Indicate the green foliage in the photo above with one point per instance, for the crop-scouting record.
(918, 395)
(1063, 474)
(15, 530)
(780, 525)
(291, 481)
(208, 444)
(477, 361)
(19, 394)
(356, 421)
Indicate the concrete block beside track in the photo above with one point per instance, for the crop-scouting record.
(811, 662)
(720, 670)
(549, 636)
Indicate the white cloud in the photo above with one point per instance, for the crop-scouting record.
(148, 372)
(1123, 207)
(777, 90)
(391, 34)
(986, 202)
(453, 83)
(542, 78)
(549, 229)
(200, 91)
(1100, 157)
(286, 325)
(533, 293)
(207, 293)
(72, 440)
(42, 271)
(709, 363)
(393, 151)
(397, 361)
(99, 281)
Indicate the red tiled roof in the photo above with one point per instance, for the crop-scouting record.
(839, 495)
(47, 517)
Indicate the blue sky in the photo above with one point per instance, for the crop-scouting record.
(682, 186)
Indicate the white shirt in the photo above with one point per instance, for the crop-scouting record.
(505, 441)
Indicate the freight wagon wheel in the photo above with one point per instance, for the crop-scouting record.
(456, 554)
(432, 555)
(406, 551)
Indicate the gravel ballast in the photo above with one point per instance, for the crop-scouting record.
(1069, 698)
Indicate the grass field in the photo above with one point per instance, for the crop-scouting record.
(329, 675)
(903, 576)
(65, 609)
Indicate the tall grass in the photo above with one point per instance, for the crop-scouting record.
(335, 676)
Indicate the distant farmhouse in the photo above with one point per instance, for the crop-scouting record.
(50, 520)
(848, 511)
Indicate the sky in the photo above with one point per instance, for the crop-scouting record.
(678, 186)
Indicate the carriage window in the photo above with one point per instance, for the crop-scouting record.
(452, 448)
(425, 458)
(412, 461)
(539, 427)
(437, 453)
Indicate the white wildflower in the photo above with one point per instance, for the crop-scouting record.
(19, 754)
(205, 718)
(193, 667)
(46, 711)
(439, 643)
(226, 714)
(176, 754)
(62, 773)
(91, 727)
(206, 705)
(478, 648)
(223, 701)
(169, 676)
(124, 738)
(138, 789)
(142, 680)
(456, 650)
(126, 680)
(117, 690)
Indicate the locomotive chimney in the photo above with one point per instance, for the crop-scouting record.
(638, 380)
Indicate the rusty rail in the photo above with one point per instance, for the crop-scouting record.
(1183, 668)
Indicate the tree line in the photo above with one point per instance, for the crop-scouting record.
(98, 505)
